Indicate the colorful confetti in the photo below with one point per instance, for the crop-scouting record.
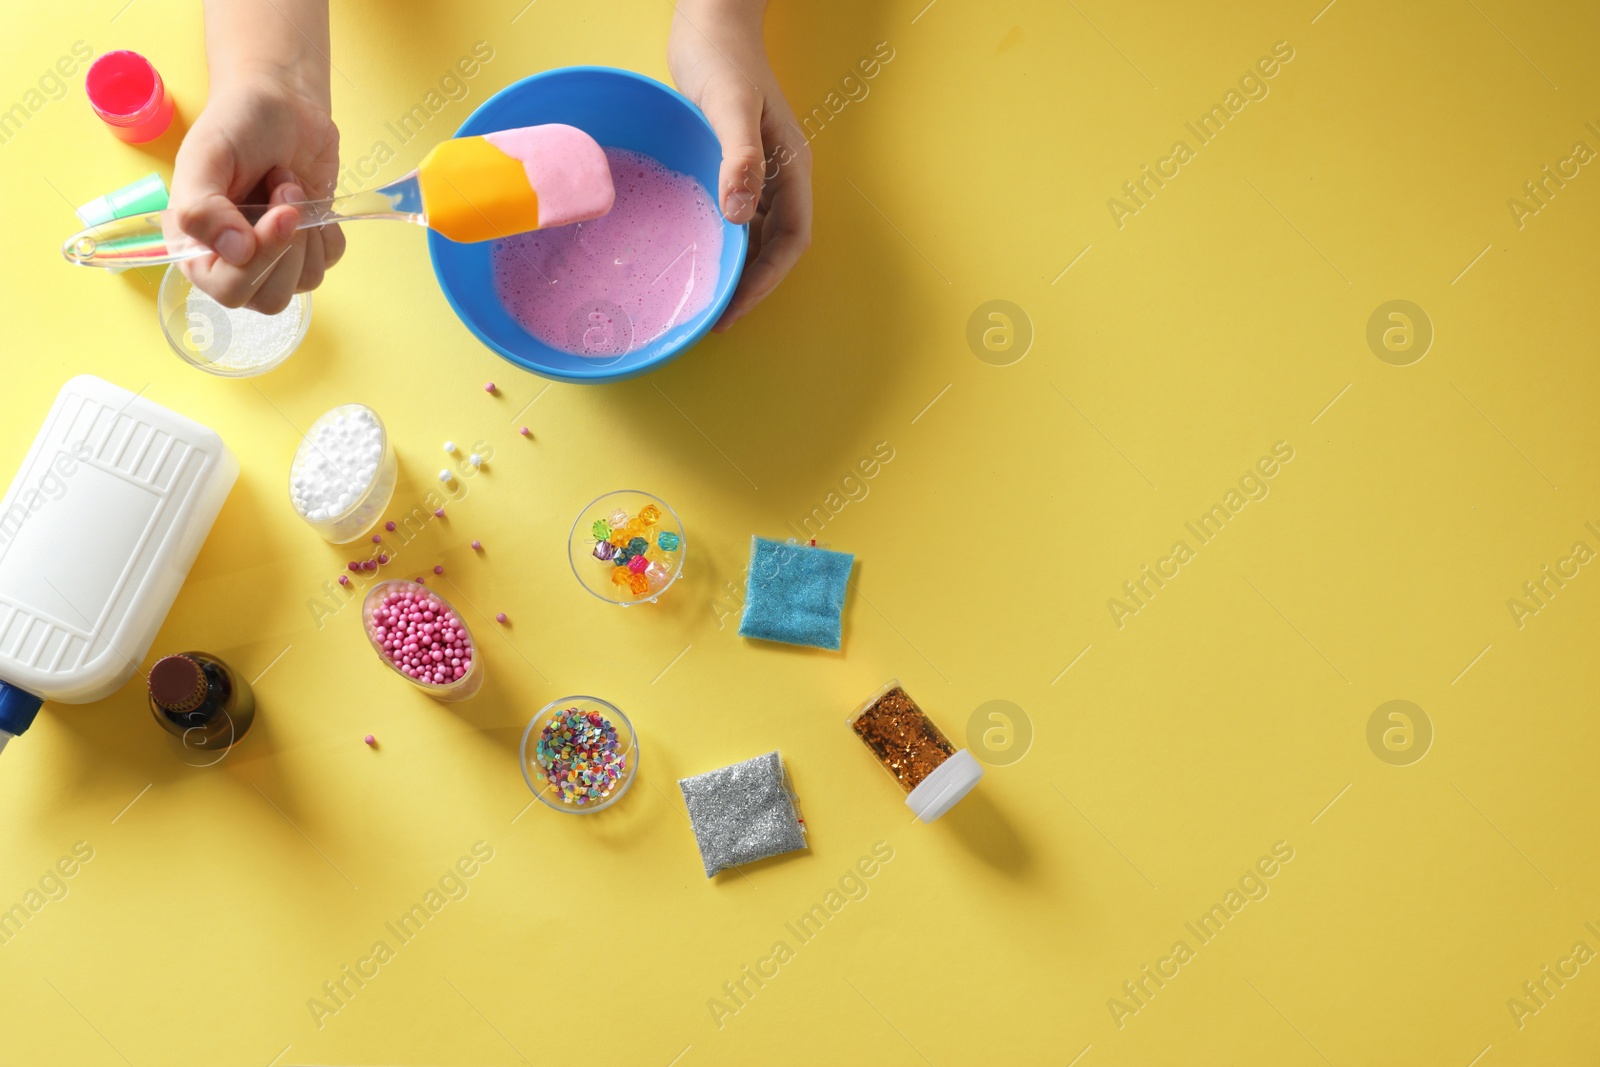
(580, 756)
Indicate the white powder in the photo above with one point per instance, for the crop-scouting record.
(336, 463)
(252, 339)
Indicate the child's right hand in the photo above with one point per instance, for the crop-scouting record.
(262, 139)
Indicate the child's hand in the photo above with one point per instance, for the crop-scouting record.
(266, 136)
(719, 61)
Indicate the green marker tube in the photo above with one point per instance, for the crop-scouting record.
(147, 194)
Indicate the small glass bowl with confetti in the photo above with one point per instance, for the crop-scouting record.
(419, 636)
(627, 547)
(579, 755)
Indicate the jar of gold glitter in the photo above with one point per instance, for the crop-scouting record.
(915, 752)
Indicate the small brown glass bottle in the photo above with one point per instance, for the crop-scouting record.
(199, 699)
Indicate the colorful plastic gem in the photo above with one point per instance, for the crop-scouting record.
(638, 545)
(601, 528)
(649, 514)
(620, 576)
(638, 583)
(656, 574)
(605, 550)
(637, 564)
(619, 517)
(668, 541)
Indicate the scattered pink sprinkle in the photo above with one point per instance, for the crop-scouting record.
(369, 739)
(488, 387)
(438, 513)
(438, 570)
(500, 617)
(389, 526)
(421, 637)
(476, 545)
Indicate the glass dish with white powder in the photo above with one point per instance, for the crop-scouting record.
(344, 473)
(231, 342)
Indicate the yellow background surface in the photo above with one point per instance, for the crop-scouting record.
(1168, 753)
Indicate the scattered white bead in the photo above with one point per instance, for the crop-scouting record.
(475, 459)
(450, 447)
(445, 476)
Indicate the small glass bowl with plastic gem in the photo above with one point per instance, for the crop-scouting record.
(627, 547)
(459, 689)
(540, 777)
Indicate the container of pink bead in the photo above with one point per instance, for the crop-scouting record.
(424, 640)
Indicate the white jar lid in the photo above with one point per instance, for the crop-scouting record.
(947, 784)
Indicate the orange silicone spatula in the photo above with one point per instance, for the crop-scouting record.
(468, 189)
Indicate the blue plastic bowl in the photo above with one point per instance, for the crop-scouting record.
(620, 109)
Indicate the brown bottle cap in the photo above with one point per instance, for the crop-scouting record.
(177, 683)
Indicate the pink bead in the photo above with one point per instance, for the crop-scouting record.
(477, 545)
(377, 539)
(369, 739)
(500, 617)
(438, 513)
(438, 570)
(353, 565)
(383, 557)
(525, 432)
(344, 579)
(389, 526)
(488, 387)
(422, 639)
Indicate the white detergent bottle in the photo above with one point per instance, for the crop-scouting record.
(97, 533)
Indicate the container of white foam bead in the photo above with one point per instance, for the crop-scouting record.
(344, 473)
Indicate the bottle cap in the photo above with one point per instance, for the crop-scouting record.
(177, 684)
(17, 708)
(945, 785)
(136, 198)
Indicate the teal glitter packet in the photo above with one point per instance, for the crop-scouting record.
(795, 594)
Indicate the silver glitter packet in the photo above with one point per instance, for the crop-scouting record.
(744, 813)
